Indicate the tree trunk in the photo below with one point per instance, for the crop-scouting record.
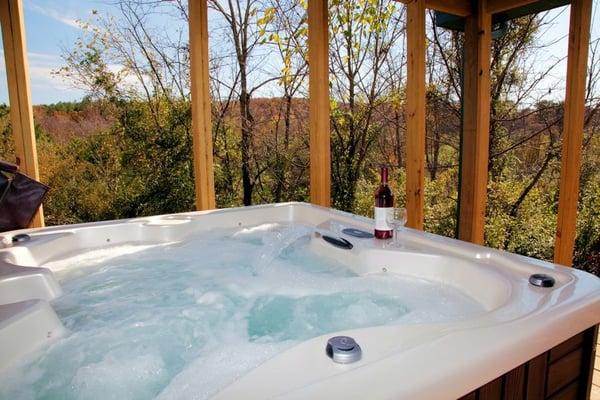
(246, 125)
(399, 152)
(282, 159)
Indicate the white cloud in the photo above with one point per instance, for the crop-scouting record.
(45, 86)
(43, 81)
(42, 56)
(55, 15)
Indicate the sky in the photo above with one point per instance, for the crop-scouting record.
(52, 27)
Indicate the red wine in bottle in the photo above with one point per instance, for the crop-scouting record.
(384, 203)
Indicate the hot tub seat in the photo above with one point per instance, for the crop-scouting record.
(27, 326)
(19, 283)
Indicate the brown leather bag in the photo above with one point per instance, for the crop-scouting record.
(20, 197)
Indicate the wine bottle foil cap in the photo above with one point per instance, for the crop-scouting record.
(384, 174)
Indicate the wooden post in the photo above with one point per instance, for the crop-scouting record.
(17, 74)
(476, 124)
(319, 113)
(415, 113)
(579, 37)
(201, 107)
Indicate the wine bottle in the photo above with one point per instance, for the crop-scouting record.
(384, 203)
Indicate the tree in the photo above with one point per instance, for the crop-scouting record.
(242, 31)
(138, 78)
(284, 26)
(363, 34)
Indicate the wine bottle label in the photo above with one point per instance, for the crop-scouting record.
(381, 215)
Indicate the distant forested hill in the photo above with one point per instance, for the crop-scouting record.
(64, 121)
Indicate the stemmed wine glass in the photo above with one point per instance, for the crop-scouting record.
(396, 218)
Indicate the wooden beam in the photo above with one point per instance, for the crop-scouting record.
(461, 8)
(319, 113)
(17, 76)
(579, 37)
(476, 125)
(496, 6)
(415, 113)
(201, 106)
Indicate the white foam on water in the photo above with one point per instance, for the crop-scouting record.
(95, 256)
(129, 377)
(184, 320)
(207, 375)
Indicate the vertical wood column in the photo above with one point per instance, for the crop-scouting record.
(319, 113)
(579, 37)
(476, 124)
(415, 113)
(201, 107)
(17, 74)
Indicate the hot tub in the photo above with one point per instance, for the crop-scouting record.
(241, 303)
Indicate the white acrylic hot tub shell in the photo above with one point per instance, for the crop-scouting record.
(408, 360)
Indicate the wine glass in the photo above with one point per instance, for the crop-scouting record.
(396, 218)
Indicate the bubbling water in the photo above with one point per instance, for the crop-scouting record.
(183, 320)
